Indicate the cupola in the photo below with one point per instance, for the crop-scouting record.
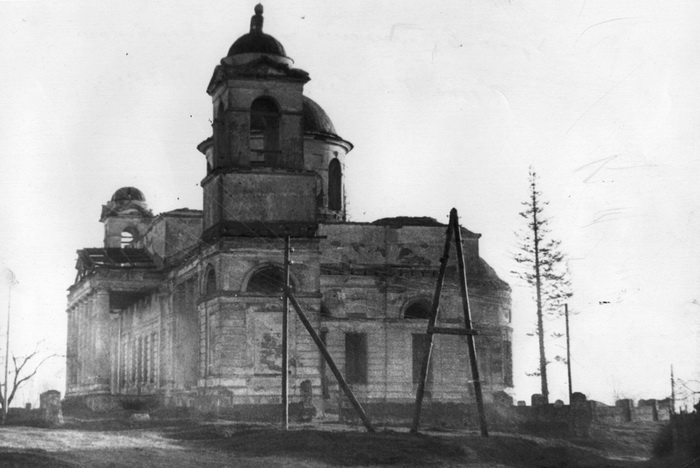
(126, 218)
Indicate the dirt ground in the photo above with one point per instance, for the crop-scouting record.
(189, 443)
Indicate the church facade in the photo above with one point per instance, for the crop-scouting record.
(185, 309)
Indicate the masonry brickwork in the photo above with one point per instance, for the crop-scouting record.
(184, 308)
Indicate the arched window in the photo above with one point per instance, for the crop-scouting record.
(210, 282)
(418, 310)
(335, 184)
(221, 139)
(128, 237)
(268, 281)
(264, 133)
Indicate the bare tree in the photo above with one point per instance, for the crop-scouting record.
(542, 266)
(24, 369)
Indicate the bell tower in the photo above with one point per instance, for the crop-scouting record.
(259, 180)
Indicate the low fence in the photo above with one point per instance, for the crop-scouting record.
(501, 414)
(48, 414)
(575, 419)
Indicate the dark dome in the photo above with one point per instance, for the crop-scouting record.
(316, 120)
(128, 194)
(257, 43)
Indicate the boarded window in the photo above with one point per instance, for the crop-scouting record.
(356, 358)
(265, 133)
(335, 186)
(420, 343)
(418, 310)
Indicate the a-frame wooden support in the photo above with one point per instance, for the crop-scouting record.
(453, 229)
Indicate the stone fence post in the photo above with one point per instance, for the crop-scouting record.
(50, 405)
(580, 415)
(625, 406)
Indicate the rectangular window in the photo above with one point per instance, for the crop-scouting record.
(420, 342)
(356, 358)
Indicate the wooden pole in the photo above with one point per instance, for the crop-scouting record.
(673, 392)
(7, 349)
(431, 324)
(468, 322)
(285, 337)
(568, 350)
(331, 364)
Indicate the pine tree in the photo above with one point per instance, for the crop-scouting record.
(542, 266)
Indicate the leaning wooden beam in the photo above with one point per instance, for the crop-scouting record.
(431, 324)
(329, 360)
(468, 322)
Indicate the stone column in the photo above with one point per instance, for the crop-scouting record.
(80, 339)
(114, 354)
(70, 347)
(90, 328)
(101, 367)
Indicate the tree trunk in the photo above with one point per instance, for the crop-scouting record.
(538, 288)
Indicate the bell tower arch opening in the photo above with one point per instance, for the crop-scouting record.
(265, 133)
(128, 237)
(221, 140)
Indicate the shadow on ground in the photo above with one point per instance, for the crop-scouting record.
(190, 443)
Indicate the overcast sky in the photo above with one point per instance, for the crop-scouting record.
(447, 103)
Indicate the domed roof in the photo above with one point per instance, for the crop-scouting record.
(257, 42)
(315, 119)
(128, 194)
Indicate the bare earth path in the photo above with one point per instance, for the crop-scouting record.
(120, 443)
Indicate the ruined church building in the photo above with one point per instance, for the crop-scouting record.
(184, 309)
